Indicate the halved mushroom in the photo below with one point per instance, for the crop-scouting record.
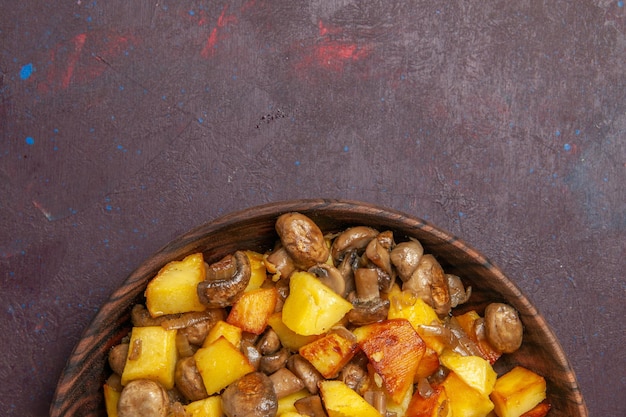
(503, 327)
(304, 370)
(310, 406)
(368, 306)
(458, 293)
(405, 256)
(378, 249)
(250, 396)
(429, 282)
(302, 239)
(278, 262)
(269, 342)
(271, 363)
(331, 277)
(188, 379)
(354, 374)
(143, 397)
(225, 281)
(353, 238)
(285, 382)
(251, 353)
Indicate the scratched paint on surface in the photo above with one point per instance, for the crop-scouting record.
(82, 59)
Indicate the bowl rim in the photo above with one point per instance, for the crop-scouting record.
(79, 361)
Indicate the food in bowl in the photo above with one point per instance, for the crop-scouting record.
(352, 323)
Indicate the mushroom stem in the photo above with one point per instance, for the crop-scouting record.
(285, 382)
(366, 281)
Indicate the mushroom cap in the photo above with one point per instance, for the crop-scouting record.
(250, 396)
(143, 397)
(503, 327)
(226, 281)
(302, 239)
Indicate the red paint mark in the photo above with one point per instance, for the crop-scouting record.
(224, 19)
(332, 54)
(77, 42)
(81, 59)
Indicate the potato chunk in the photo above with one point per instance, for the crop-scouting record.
(220, 364)
(152, 355)
(173, 290)
(463, 400)
(208, 407)
(473, 370)
(253, 309)
(288, 338)
(517, 392)
(329, 354)
(394, 350)
(341, 401)
(406, 305)
(312, 308)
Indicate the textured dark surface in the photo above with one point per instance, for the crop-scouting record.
(124, 124)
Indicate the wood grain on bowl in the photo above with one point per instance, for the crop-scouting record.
(79, 390)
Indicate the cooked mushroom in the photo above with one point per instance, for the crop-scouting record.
(377, 399)
(429, 282)
(117, 357)
(188, 379)
(458, 294)
(197, 332)
(353, 238)
(225, 281)
(271, 363)
(251, 353)
(115, 381)
(269, 342)
(368, 311)
(331, 277)
(378, 249)
(184, 348)
(405, 256)
(279, 262)
(143, 397)
(285, 382)
(503, 327)
(250, 396)
(305, 371)
(368, 306)
(302, 239)
(346, 267)
(310, 406)
(353, 375)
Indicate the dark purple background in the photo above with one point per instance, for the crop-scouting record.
(125, 123)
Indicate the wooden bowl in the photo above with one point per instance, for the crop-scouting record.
(79, 391)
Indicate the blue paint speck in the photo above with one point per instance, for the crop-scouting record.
(577, 132)
(200, 120)
(29, 140)
(557, 133)
(567, 147)
(26, 71)
(620, 4)
(121, 88)
(108, 207)
(297, 163)
(191, 12)
(346, 148)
